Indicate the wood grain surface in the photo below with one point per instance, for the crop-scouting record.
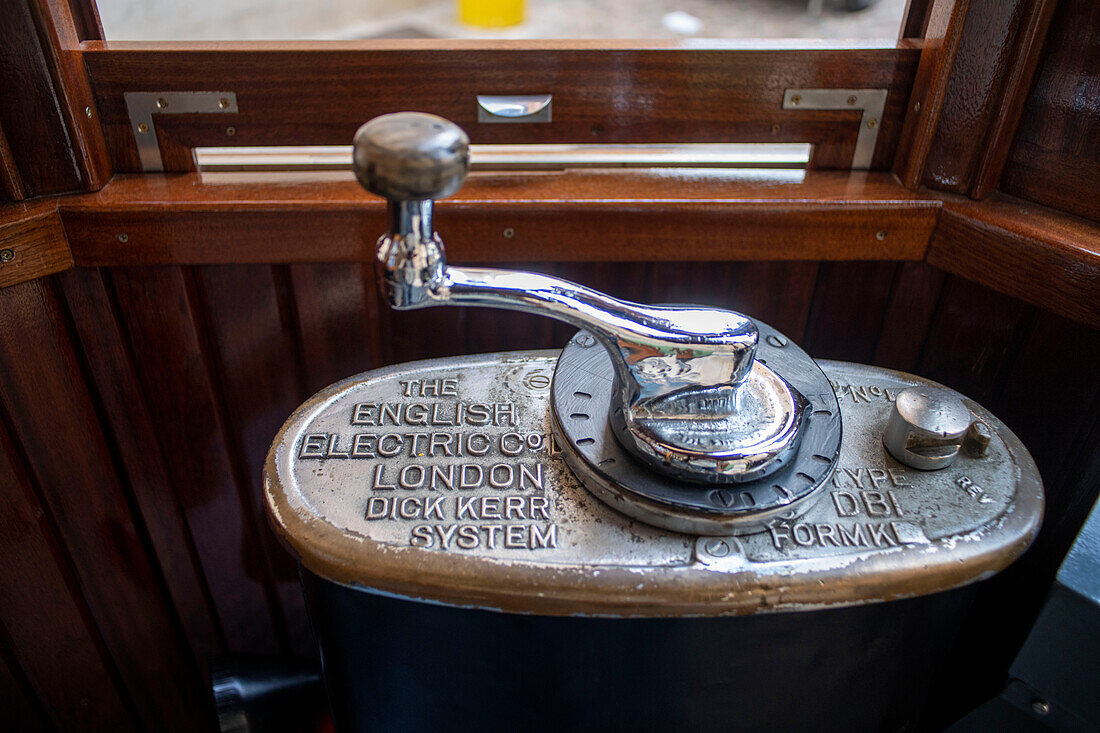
(298, 94)
(569, 216)
(33, 237)
(1053, 159)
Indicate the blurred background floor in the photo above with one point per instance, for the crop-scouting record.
(353, 19)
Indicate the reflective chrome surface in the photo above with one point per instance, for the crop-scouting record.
(688, 394)
(927, 428)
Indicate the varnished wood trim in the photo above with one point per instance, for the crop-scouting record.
(33, 236)
(1024, 250)
(1015, 92)
(61, 38)
(11, 185)
(604, 92)
(574, 216)
(942, 36)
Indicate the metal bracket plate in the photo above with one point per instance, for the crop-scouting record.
(141, 106)
(514, 108)
(871, 102)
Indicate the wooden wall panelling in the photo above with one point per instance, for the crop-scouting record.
(1048, 396)
(34, 237)
(943, 33)
(337, 312)
(997, 54)
(54, 644)
(61, 37)
(20, 709)
(974, 336)
(912, 303)
(105, 346)
(847, 314)
(31, 118)
(604, 91)
(54, 419)
(1057, 144)
(777, 293)
(255, 350)
(172, 359)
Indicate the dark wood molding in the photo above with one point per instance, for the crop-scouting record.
(990, 78)
(572, 216)
(1025, 250)
(943, 33)
(32, 235)
(1017, 85)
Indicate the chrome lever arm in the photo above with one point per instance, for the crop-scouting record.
(689, 397)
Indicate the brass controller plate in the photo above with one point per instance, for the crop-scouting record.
(441, 481)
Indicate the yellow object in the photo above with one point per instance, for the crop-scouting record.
(491, 13)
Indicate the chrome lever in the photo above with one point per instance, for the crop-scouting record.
(689, 397)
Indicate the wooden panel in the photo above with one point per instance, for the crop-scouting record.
(848, 307)
(43, 616)
(943, 33)
(913, 298)
(581, 215)
(974, 337)
(36, 240)
(172, 356)
(745, 287)
(255, 353)
(603, 92)
(61, 38)
(31, 116)
(988, 62)
(20, 709)
(53, 418)
(11, 184)
(1021, 249)
(1053, 158)
(338, 321)
(104, 343)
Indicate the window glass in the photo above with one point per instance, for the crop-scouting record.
(507, 19)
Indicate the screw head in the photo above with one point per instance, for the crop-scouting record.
(872, 123)
(88, 112)
(231, 131)
(916, 107)
(162, 103)
(124, 237)
(7, 254)
(142, 127)
(796, 99)
(852, 100)
(775, 129)
(1040, 706)
(716, 547)
(509, 233)
(223, 103)
(880, 235)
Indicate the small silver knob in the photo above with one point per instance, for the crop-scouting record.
(411, 156)
(927, 428)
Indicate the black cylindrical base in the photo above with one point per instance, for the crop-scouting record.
(392, 664)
